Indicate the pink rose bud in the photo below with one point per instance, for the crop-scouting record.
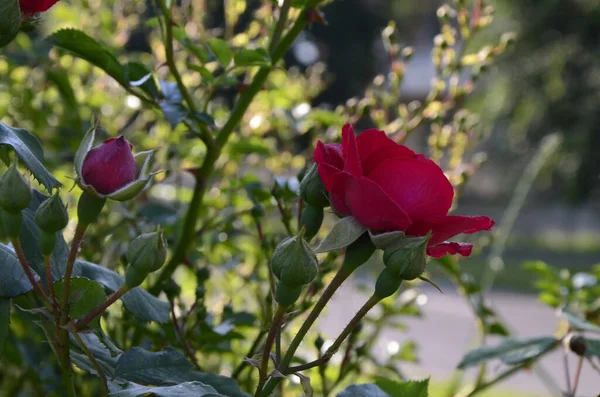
(110, 166)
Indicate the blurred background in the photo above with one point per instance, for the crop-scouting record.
(538, 110)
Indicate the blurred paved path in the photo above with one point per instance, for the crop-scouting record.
(447, 330)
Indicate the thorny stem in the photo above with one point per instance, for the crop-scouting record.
(264, 363)
(336, 282)
(362, 312)
(186, 347)
(97, 366)
(577, 376)
(37, 286)
(283, 16)
(213, 154)
(48, 267)
(240, 368)
(102, 307)
(206, 137)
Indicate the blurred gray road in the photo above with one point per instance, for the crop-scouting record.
(447, 331)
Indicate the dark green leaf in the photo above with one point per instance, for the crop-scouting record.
(510, 351)
(29, 149)
(138, 301)
(4, 322)
(84, 296)
(592, 348)
(198, 51)
(169, 367)
(497, 329)
(258, 57)
(10, 21)
(205, 118)
(344, 233)
(100, 352)
(221, 50)
(205, 73)
(251, 145)
(139, 76)
(13, 281)
(366, 390)
(411, 388)
(83, 46)
(172, 105)
(187, 389)
(580, 324)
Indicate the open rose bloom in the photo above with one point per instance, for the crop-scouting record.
(30, 7)
(111, 170)
(387, 187)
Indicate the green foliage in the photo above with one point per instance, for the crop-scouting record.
(84, 296)
(187, 389)
(510, 351)
(410, 389)
(30, 152)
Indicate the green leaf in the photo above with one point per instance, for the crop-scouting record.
(344, 233)
(140, 76)
(138, 301)
(365, 390)
(13, 281)
(413, 388)
(29, 150)
(83, 46)
(205, 73)
(29, 238)
(172, 105)
(221, 50)
(169, 367)
(4, 322)
(10, 21)
(258, 57)
(84, 296)
(510, 351)
(250, 145)
(101, 353)
(592, 349)
(187, 389)
(578, 323)
(497, 329)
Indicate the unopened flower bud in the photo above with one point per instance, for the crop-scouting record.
(577, 344)
(110, 170)
(135, 276)
(319, 342)
(312, 189)
(15, 192)
(311, 220)
(110, 166)
(404, 257)
(51, 216)
(148, 252)
(294, 263)
(12, 223)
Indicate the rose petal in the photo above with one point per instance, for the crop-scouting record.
(374, 146)
(451, 248)
(334, 184)
(350, 151)
(29, 7)
(371, 206)
(449, 226)
(417, 185)
(330, 154)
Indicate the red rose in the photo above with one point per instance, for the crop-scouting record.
(30, 7)
(110, 166)
(387, 187)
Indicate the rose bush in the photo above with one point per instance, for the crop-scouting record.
(30, 7)
(388, 187)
